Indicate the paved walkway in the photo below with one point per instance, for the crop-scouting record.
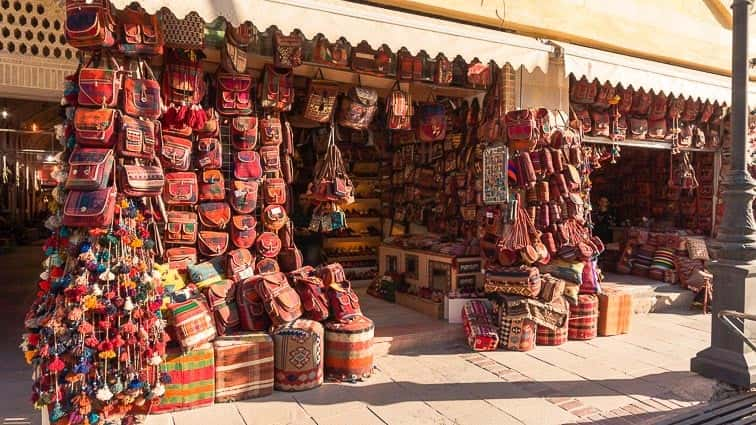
(636, 378)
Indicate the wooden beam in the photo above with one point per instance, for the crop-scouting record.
(721, 12)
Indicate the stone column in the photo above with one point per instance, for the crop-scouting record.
(728, 359)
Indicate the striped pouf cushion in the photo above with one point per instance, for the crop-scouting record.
(192, 380)
(664, 258)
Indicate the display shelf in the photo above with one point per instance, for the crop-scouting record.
(370, 257)
(647, 144)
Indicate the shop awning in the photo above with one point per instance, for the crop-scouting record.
(626, 70)
(376, 25)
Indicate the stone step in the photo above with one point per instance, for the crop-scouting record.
(650, 296)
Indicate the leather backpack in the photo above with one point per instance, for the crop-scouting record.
(214, 215)
(277, 89)
(89, 168)
(522, 132)
(243, 231)
(95, 127)
(280, 300)
(290, 257)
(409, 67)
(234, 94)
(442, 73)
(209, 153)
(221, 298)
(333, 54)
(141, 34)
(141, 180)
(244, 133)
(181, 188)
(243, 196)
(343, 301)
(212, 244)
(183, 80)
(138, 138)
(320, 103)
(234, 50)
(358, 108)
(431, 122)
(583, 91)
(247, 165)
(312, 292)
(212, 186)
(181, 228)
(176, 153)
(641, 102)
(141, 92)
(89, 24)
(99, 82)
(89, 209)
(240, 264)
(369, 61)
(251, 310)
(287, 50)
(658, 110)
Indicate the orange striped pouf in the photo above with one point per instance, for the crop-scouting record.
(349, 349)
(584, 318)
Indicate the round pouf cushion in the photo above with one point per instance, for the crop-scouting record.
(349, 349)
(298, 355)
(583, 323)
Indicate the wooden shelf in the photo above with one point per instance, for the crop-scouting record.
(354, 258)
(647, 144)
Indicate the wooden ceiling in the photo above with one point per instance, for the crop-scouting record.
(24, 114)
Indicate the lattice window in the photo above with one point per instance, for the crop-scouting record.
(34, 28)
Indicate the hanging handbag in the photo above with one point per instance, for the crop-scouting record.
(176, 153)
(479, 75)
(247, 165)
(641, 103)
(331, 54)
(321, 99)
(522, 132)
(141, 34)
(98, 86)
(658, 109)
(638, 128)
(399, 109)
(626, 99)
(243, 196)
(244, 133)
(234, 96)
(212, 244)
(657, 129)
(600, 126)
(89, 24)
(583, 91)
(287, 51)
(290, 257)
(251, 310)
(89, 209)
(221, 298)
(270, 157)
(409, 67)
(240, 265)
(212, 186)
(243, 233)
(95, 127)
(183, 80)
(274, 191)
(214, 215)
(141, 92)
(180, 258)
(277, 90)
(358, 108)
(141, 180)
(442, 74)
(89, 168)
(369, 61)
(312, 292)
(209, 153)
(691, 111)
(280, 300)
(187, 33)
(271, 131)
(431, 122)
(274, 217)
(234, 49)
(181, 188)
(137, 138)
(268, 244)
(181, 228)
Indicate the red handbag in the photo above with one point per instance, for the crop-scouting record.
(358, 108)
(89, 24)
(234, 50)
(137, 138)
(240, 265)
(641, 102)
(277, 90)
(141, 93)
(95, 127)
(290, 258)
(234, 94)
(221, 298)
(90, 168)
(287, 51)
(522, 132)
(181, 188)
(176, 153)
(583, 91)
(141, 35)
(181, 228)
(344, 303)
(271, 131)
(247, 165)
(211, 186)
(332, 54)
(399, 109)
(658, 109)
(271, 159)
(212, 244)
(180, 258)
(99, 87)
(209, 153)
(274, 191)
(89, 209)
(243, 196)
(141, 180)
(312, 292)
(251, 310)
(244, 133)
(274, 217)
(332, 273)
(281, 301)
(268, 244)
(214, 215)
(243, 233)
(182, 80)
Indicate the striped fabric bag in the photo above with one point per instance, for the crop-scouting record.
(192, 322)
(243, 366)
(552, 337)
(477, 320)
(583, 323)
(349, 349)
(192, 380)
(298, 355)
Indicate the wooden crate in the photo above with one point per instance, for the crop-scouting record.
(421, 305)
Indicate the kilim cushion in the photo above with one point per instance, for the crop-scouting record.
(551, 288)
(546, 336)
(482, 337)
(192, 380)
(349, 349)
(192, 323)
(298, 355)
(664, 258)
(243, 366)
(477, 311)
(570, 271)
(517, 331)
(584, 318)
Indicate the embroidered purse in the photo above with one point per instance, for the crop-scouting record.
(89, 24)
(214, 215)
(277, 91)
(89, 168)
(240, 265)
(442, 74)
(180, 188)
(141, 93)
(192, 322)
(268, 244)
(399, 109)
(431, 122)
(142, 35)
(369, 61)
(137, 138)
(247, 165)
(243, 196)
(332, 54)
(281, 301)
(274, 217)
(271, 159)
(180, 258)
(221, 298)
(212, 187)
(358, 108)
(274, 191)
(209, 153)
(234, 94)
(244, 133)
(321, 100)
(95, 127)
(243, 233)
(287, 51)
(99, 87)
(141, 180)
(271, 131)
(181, 228)
(212, 244)
(176, 153)
(89, 209)
(251, 310)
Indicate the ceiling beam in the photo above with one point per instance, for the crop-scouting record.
(721, 13)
